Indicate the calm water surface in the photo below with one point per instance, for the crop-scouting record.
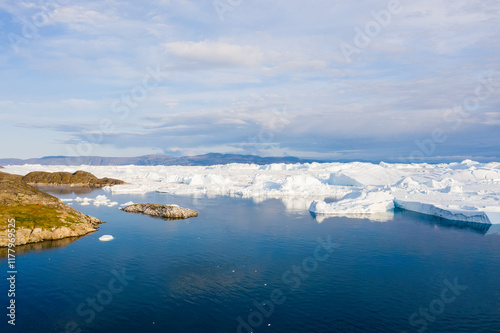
(244, 266)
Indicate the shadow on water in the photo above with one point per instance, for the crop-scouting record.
(479, 228)
(64, 189)
(40, 246)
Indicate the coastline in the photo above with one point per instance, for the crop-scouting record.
(38, 216)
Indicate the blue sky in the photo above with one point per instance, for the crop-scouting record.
(370, 80)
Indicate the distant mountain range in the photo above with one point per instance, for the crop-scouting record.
(199, 160)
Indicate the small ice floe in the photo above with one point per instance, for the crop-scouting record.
(85, 202)
(102, 200)
(106, 238)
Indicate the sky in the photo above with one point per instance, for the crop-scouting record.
(394, 81)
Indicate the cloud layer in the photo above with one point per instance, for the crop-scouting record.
(184, 77)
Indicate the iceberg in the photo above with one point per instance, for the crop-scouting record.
(106, 238)
(357, 202)
(338, 178)
(102, 200)
(471, 215)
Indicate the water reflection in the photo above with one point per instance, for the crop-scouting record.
(494, 230)
(64, 189)
(160, 218)
(295, 204)
(376, 217)
(480, 228)
(39, 246)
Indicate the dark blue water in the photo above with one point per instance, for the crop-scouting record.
(244, 266)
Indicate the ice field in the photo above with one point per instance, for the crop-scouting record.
(468, 191)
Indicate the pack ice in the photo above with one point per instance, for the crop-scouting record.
(468, 191)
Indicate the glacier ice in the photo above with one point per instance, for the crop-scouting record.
(466, 191)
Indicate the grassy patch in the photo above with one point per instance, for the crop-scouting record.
(34, 216)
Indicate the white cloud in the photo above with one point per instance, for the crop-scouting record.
(81, 19)
(214, 54)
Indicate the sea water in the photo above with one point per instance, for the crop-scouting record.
(244, 266)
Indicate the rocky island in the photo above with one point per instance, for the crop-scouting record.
(164, 211)
(38, 216)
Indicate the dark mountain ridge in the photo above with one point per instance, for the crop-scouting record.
(198, 160)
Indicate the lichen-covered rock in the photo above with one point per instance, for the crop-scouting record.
(78, 178)
(163, 211)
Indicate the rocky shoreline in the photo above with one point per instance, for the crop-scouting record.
(28, 236)
(38, 216)
(44, 245)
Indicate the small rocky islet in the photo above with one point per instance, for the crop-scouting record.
(170, 212)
